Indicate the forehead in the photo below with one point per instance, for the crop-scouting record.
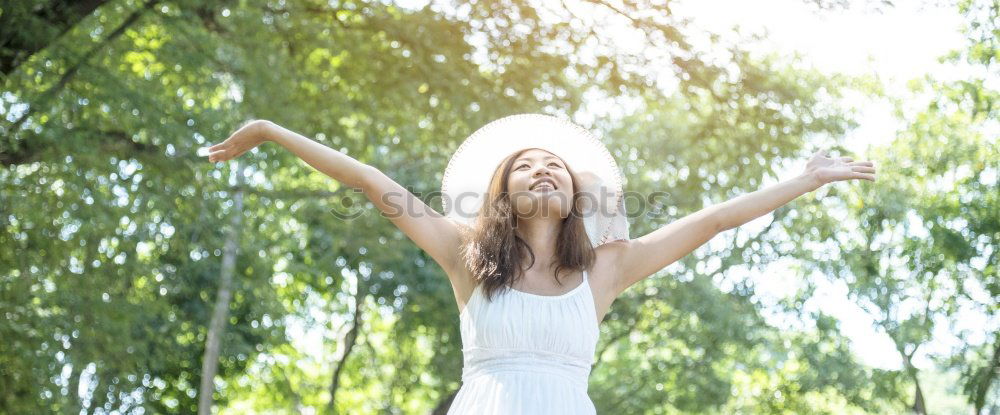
(536, 154)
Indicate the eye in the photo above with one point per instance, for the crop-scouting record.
(554, 164)
(519, 167)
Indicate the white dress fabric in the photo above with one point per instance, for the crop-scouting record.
(527, 354)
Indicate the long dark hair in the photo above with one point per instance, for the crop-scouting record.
(495, 253)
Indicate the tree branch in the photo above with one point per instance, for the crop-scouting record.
(21, 45)
(51, 92)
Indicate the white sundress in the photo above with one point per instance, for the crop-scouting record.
(527, 354)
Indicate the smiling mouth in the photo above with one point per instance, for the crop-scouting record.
(543, 187)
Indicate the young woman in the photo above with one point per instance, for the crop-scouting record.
(535, 243)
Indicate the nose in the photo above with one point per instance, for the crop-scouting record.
(542, 169)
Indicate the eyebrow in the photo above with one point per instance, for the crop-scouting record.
(543, 158)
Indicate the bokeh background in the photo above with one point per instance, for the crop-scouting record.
(136, 277)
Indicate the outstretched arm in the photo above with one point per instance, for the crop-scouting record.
(641, 257)
(431, 231)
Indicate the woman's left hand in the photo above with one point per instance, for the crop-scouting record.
(831, 169)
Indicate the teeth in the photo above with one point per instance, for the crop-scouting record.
(544, 185)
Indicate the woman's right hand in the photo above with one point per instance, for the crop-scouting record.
(247, 137)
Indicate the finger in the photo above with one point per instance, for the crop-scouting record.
(217, 155)
(865, 176)
(227, 143)
(862, 163)
(863, 169)
(846, 159)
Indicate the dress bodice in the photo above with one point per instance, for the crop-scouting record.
(523, 332)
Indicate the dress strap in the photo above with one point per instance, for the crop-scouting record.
(584, 275)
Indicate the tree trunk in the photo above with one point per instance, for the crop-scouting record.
(989, 374)
(918, 399)
(350, 339)
(220, 315)
(919, 407)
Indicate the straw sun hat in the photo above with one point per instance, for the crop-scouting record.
(467, 177)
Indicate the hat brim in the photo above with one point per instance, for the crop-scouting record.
(466, 179)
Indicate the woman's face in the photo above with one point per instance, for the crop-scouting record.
(540, 186)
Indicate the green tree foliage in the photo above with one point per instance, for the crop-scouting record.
(918, 249)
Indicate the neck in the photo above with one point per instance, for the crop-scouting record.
(541, 236)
